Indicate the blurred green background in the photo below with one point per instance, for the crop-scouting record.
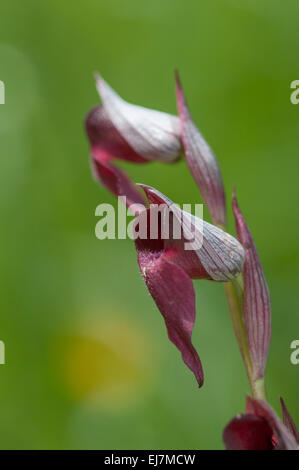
(88, 363)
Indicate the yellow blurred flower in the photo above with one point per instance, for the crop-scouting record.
(106, 362)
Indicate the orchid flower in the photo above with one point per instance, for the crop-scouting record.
(167, 269)
(120, 130)
(260, 429)
(192, 248)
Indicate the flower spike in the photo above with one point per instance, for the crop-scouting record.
(167, 268)
(256, 305)
(120, 130)
(201, 161)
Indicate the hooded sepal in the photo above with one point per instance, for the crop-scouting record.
(211, 254)
(120, 130)
(153, 135)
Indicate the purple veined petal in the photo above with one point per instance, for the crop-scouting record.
(288, 421)
(167, 269)
(248, 432)
(105, 140)
(220, 256)
(201, 161)
(153, 135)
(119, 130)
(173, 293)
(286, 440)
(116, 181)
(106, 145)
(256, 306)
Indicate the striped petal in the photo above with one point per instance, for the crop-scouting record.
(120, 130)
(256, 306)
(201, 161)
(167, 266)
(216, 255)
(153, 135)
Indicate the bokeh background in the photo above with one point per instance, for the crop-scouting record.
(88, 363)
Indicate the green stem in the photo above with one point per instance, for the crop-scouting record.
(259, 389)
(234, 294)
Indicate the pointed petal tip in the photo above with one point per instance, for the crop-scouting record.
(99, 81)
(235, 204)
(174, 295)
(282, 402)
(106, 92)
(147, 189)
(177, 78)
(234, 193)
(153, 195)
(182, 106)
(96, 76)
(200, 381)
(201, 161)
